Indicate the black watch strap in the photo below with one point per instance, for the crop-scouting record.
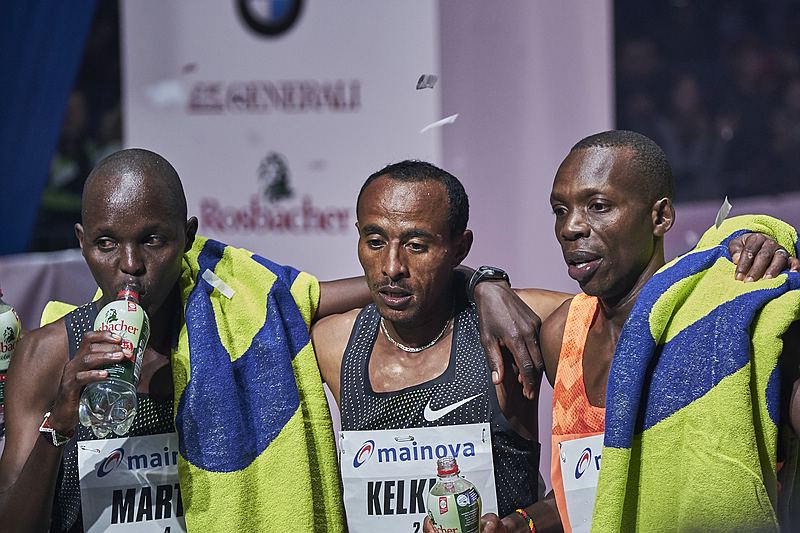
(484, 273)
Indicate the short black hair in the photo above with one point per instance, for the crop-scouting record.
(411, 171)
(140, 162)
(656, 172)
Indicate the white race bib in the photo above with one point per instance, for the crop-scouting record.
(387, 474)
(580, 469)
(131, 484)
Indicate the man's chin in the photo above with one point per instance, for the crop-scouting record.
(396, 316)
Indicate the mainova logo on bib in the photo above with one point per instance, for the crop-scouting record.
(111, 462)
(118, 457)
(585, 459)
(411, 452)
(364, 453)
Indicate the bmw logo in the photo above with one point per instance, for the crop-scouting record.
(364, 453)
(270, 17)
(111, 462)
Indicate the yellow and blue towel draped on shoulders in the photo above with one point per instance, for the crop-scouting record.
(257, 450)
(693, 407)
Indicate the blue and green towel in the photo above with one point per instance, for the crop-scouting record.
(257, 449)
(692, 407)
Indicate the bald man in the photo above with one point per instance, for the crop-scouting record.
(134, 229)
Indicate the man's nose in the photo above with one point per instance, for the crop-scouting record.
(130, 261)
(394, 266)
(575, 226)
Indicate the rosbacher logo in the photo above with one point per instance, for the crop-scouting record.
(118, 457)
(413, 452)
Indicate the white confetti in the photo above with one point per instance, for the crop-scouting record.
(440, 123)
(427, 81)
(218, 284)
(722, 214)
(167, 93)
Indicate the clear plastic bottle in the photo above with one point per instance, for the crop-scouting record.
(110, 405)
(9, 335)
(454, 505)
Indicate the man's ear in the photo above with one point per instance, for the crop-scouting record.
(663, 216)
(191, 233)
(463, 245)
(79, 235)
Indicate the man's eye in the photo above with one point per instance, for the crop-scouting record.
(416, 247)
(154, 240)
(106, 244)
(374, 243)
(598, 206)
(559, 211)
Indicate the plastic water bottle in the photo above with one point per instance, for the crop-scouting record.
(454, 505)
(9, 334)
(110, 405)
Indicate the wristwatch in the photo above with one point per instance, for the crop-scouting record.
(52, 435)
(484, 273)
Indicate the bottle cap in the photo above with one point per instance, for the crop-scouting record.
(128, 291)
(447, 466)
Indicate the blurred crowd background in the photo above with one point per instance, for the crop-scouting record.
(715, 82)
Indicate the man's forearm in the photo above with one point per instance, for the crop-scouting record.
(342, 295)
(27, 505)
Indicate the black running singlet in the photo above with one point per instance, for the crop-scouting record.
(516, 460)
(153, 416)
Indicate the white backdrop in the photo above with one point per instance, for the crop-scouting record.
(530, 78)
(527, 78)
(323, 105)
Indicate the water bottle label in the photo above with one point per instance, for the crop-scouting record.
(128, 320)
(456, 513)
(9, 334)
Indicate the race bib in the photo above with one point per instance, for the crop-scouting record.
(387, 474)
(580, 470)
(131, 484)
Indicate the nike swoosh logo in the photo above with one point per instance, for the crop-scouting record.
(432, 415)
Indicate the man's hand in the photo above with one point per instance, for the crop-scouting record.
(98, 349)
(490, 523)
(507, 322)
(758, 256)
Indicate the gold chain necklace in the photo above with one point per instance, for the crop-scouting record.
(411, 349)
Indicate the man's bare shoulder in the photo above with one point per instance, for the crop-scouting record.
(551, 337)
(330, 336)
(543, 302)
(335, 326)
(43, 345)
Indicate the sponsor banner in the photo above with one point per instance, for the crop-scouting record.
(275, 112)
(580, 470)
(131, 484)
(387, 474)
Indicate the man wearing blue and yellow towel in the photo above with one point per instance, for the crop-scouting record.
(673, 370)
(229, 387)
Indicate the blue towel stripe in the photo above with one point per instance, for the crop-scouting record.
(228, 414)
(685, 370)
(286, 274)
(773, 395)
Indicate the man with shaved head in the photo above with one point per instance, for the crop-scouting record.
(230, 401)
